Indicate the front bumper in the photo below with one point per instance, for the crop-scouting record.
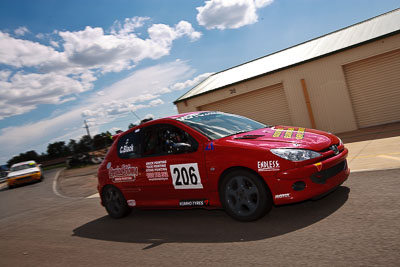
(24, 179)
(318, 179)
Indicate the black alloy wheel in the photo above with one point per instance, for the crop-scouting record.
(115, 202)
(245, 196)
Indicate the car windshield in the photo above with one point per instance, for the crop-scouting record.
(22, 167)
(217, 125)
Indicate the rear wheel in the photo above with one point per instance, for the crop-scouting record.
(115, 202)
(244, 196)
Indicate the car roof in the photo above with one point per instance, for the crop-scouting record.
(173, 117)
(23, 163)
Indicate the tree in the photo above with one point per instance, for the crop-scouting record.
(58, 150)
(29, 155)
(131, 125)
(101, 140)
(85, 144)
(73, 146)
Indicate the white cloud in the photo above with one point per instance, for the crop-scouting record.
(122, 49)
(21, 31)
(114, 130)
(129, 26)
(85, 55)
(4, 74)
(149, 116)
(22, 53)
(98, 109)
(191, 83)
(156, 102)
(25, 91)
(229, 14)
(54, 44)
(186, 84)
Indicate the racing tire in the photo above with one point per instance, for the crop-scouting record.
(115, 202)
(244, 196)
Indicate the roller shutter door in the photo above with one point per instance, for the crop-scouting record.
(374, 85)
(267, 105)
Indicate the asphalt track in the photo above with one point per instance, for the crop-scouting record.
(357, 225)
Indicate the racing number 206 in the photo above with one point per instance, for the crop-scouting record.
(186, 176)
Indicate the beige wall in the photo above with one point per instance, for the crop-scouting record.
(329, 95)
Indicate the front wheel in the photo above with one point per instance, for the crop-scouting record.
(244, 196)
(115, 203)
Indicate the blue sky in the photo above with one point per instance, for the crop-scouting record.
(62, 62)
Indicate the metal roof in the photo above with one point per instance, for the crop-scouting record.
(353, 35)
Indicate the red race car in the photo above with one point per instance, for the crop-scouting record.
(218, 160)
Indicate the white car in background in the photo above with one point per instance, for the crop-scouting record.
(24, 172)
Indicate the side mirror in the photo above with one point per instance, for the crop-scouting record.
(178, 148)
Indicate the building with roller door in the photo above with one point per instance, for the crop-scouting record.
(342, 81)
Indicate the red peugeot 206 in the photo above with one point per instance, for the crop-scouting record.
(219, 160)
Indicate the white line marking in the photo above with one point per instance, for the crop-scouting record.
(94, 196)
(55, 191)
(55, 181)
(371, 170)
(389, 157)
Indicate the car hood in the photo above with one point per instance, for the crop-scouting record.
(288, 137)
(23, 172)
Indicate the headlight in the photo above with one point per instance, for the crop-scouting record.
(340, 141)
(295, 154)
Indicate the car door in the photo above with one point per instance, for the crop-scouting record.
(174, 167)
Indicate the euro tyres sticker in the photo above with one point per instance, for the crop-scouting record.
(186, 176)
(290, 133)
(193, 203)
(125, 173)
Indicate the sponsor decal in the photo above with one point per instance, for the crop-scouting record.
(277, 133)
(267, 166)
(157, 170)
(125, 173)
(210, 146)
(194, 203)
(126, 148)
(319, 166)
(191, 116)
(300, 133)
(289, 133)
(186, 176)
(287, 195)
(131, 203)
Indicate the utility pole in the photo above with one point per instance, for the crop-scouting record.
(135, 115)
(87, 129)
